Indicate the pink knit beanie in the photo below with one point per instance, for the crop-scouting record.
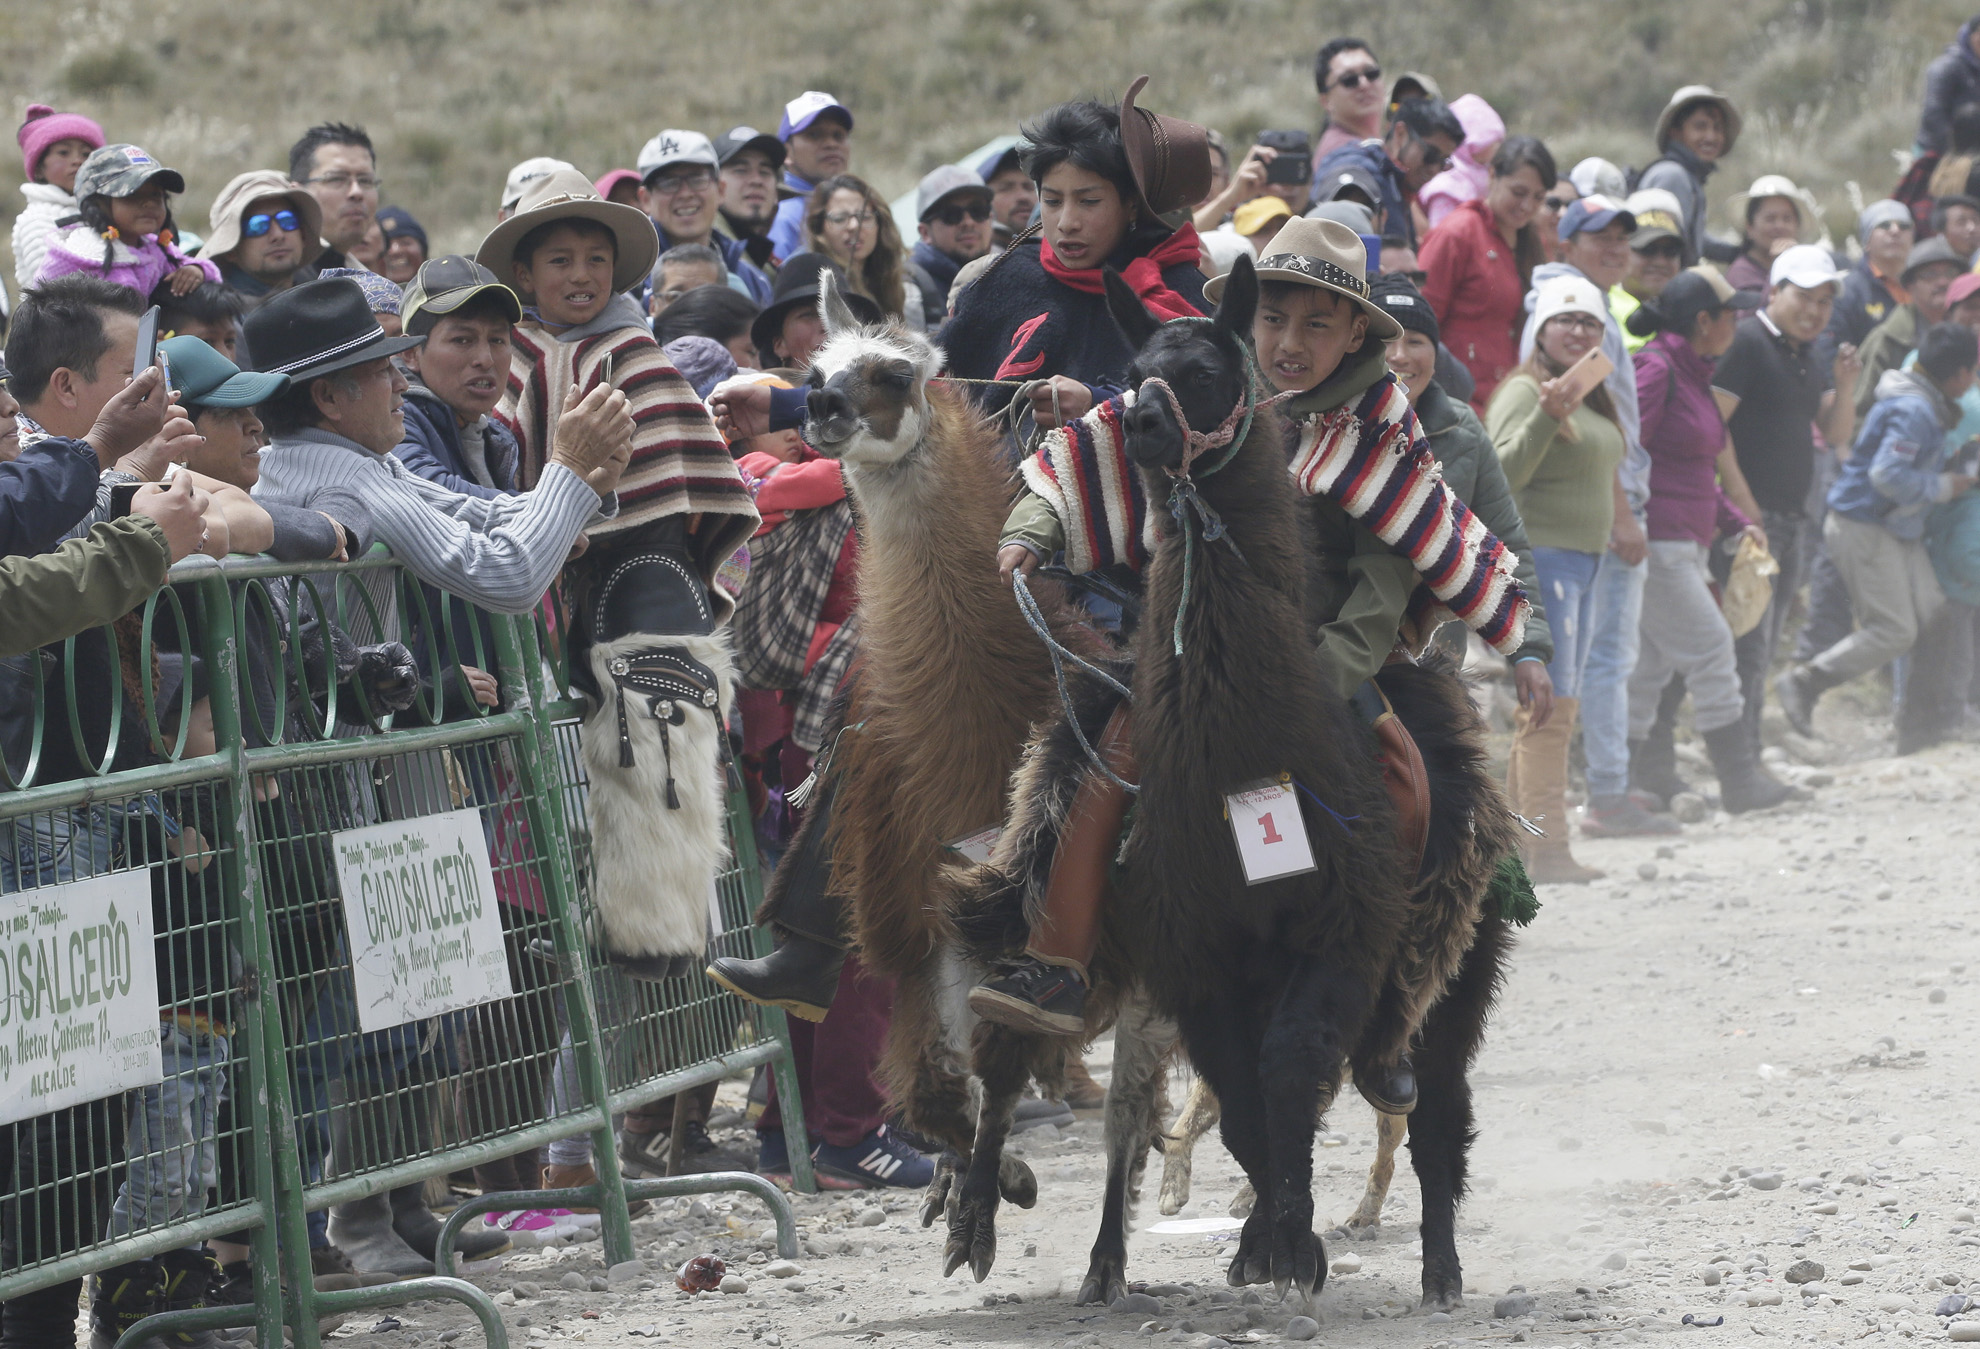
(44, 126)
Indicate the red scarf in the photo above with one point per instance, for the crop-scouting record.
(1144, 274)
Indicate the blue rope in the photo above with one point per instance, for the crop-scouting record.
(1034, 614)
(1338, 818)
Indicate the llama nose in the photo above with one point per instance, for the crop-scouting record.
(828, 406)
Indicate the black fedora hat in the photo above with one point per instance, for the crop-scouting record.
(318, 327)
(797, 284)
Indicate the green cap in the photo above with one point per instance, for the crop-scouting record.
(443, 285)
(205, 378)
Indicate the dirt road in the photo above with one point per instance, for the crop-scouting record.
(1737, 1087)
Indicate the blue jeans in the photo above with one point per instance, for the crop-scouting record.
(1567, 593)
(55, 846)
(1618, 613)
(171, 1140)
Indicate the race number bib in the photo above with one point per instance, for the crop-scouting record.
(1271, 833)
(978, 846)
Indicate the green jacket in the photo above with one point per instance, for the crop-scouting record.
(1884, 350)
(1471, 470)
(85, 583)
(1357, 587)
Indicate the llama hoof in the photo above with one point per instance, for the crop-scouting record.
(935, 1199)
(1016, 1182)
(1106, 1280)
(1253, 1261)
(1243, 1201)
(1299, 1261)
(1442, 1294)
(972, 1238)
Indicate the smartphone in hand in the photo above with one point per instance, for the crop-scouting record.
(1581, 379)
(147, 343)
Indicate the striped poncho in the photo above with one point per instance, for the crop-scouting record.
(680, 463)
(1369, 455)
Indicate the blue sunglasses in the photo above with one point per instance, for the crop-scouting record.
(257, 224)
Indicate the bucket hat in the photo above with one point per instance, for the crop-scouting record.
(566, 194)
(1323, 253)
(230, 210)
(317, 328)
(1169, 158)
(1688, 97)
(1807, 213)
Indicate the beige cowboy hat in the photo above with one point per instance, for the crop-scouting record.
(1323, 253)
(566, 194)
(243, 191)
(1684, 99)
(1780, 185)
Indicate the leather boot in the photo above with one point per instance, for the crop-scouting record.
(1744, 783)
(1082, 1092)
(802, 974)
(368, 1133)
(1540, 756)
(1798, 690)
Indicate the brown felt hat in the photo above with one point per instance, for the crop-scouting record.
(1170, 158)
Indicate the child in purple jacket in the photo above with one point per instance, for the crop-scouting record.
(126, 230)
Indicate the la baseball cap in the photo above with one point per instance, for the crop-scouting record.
(527, 172)
(676, 147)
(807, 108)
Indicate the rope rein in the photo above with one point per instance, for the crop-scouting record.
(1034, 614)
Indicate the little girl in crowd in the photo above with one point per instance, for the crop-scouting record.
(53, 146)
(125, 232)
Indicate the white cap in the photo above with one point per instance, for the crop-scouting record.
(1805, 265)
(1567, 295)
(1593, 175)
(675, 147)
(527, 172)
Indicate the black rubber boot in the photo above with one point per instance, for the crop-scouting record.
(119, 1298)
(1743, 783)
(43, 1319)
(1798, 690)
(419, 1228)
(1653, 759)
(802, 974)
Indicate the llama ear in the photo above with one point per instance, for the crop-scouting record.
(1130, 314)
(832, 306)
(1238, 305)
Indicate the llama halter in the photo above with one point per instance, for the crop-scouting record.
(1228, 435)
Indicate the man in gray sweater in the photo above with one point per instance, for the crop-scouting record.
(332, 438)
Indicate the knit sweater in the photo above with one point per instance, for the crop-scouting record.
(141, 266)
(35, 228)
(680, 463)
(1564, 483)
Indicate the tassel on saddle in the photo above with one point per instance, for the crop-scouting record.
(657, 591)
(674, 681)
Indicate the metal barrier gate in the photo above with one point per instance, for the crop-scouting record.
(251, 1096)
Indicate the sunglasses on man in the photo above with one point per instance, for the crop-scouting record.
(1354, 79)
(259, 223)
(953, 213)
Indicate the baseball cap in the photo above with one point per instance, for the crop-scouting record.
(1597, 177)
(1350, 178)
(1567, 295)
(1257, 213)
(675, 147)
(740, 138)
(1806, 266)
(1963, 287)
(807, 108)
(1659, 215)
(1698, 290)
(948, 181)
(205, 378)
(1595, 212)
(525, 173)
(444, 284)
(120, 170)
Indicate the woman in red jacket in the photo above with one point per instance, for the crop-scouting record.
(1479, 262)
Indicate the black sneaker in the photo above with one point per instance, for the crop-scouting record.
(1034, 996)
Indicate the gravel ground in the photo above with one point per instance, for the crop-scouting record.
(1721, 1084)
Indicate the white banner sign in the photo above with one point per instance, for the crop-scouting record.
(419, 902)
(78, 994)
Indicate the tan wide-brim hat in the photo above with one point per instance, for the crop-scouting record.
(1170, 158)
(1683, 100)
(567, 194)
(1780, 185)
(1323, 253)
(231, 207)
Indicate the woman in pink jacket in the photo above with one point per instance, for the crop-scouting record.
(1479, 262)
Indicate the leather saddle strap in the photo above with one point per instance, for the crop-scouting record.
(1403, 774)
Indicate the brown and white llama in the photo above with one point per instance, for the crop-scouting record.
(948, 684)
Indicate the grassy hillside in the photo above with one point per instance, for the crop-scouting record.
(455, 91)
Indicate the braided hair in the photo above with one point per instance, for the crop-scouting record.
(95, 213)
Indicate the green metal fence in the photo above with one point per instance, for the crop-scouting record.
(253, 1096)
